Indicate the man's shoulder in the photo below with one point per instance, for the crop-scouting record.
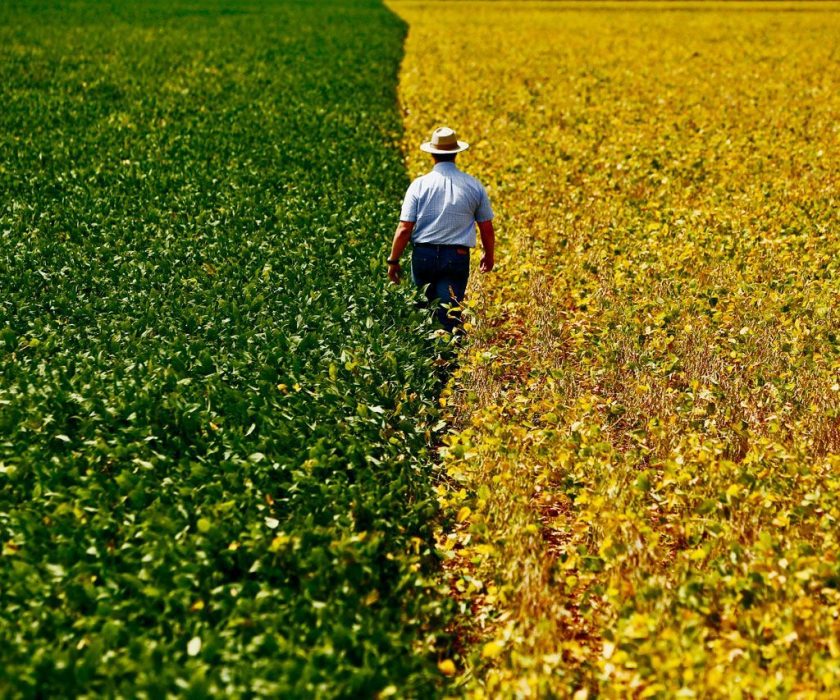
(474, 180)
(421, 180)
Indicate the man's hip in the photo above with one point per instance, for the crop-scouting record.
(431, 262)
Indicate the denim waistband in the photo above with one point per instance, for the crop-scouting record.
(438, 246)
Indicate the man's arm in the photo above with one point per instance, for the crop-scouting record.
(401, 238)
(488, 243)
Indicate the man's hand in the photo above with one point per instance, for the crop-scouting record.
(487, 263)
(401, 238)
(394, 273)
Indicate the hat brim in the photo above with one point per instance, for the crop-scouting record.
(428, 148)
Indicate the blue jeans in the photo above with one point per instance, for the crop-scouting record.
(443, 270)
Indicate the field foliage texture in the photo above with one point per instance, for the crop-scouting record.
(213, 413)
(646, 471)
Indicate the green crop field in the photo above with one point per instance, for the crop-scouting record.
(214, 416)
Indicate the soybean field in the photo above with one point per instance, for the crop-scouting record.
(214, 415)
(645, 460)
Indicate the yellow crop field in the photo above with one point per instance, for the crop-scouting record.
(644, 476)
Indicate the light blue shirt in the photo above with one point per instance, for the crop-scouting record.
(445, 205)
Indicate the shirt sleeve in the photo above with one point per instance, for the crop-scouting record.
(409, 206)
(484, 212)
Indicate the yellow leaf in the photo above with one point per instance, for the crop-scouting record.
(447, 667)
(279, 542)
(492, 649)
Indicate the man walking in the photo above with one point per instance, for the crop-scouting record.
(439, 215)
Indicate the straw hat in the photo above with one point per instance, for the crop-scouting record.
(444, 141)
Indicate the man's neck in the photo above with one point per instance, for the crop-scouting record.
(445, 165)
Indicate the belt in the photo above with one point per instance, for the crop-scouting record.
(438, 246)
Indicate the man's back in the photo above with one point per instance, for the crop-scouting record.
(445, 205)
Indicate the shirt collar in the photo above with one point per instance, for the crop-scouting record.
(445, 166)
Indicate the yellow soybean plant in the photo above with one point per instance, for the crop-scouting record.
(645, 469)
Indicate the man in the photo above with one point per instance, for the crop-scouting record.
(438, 216)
